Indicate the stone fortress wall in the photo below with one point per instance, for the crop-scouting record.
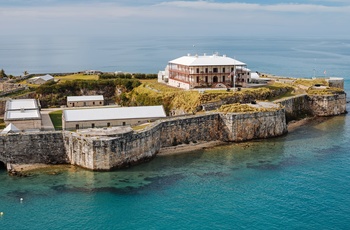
(109, 150)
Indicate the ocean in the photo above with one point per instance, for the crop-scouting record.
(297, 181)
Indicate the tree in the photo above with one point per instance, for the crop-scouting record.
(2, 74)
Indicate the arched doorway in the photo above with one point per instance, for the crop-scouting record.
(2, 166)
(215, 79)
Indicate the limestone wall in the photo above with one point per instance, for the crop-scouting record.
(296, 107)
(123, 150)
(33, 148)
(327, 105)
(314, 105)
(243, 127)
(107, 150)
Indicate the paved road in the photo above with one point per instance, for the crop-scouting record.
(46, 123)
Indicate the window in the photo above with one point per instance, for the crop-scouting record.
(108, 124)
(223, 79)
(93, 125)
(84, 103)
(206, 79)
(93, 103)
(223, 70)
(206, 70)
(215, 70)
(77, 126)
(124, 123)
(197, 70)
(215, 79)
(100, 102)
(197, 79)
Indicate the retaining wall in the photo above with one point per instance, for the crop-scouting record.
(105, 152)
(33, 148)
(123, 150)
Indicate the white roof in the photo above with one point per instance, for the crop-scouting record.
(85, 98)
(11, 128)
(139, 112)
(46, 77)
(21, 104)
(24, 114)
(212, 60)
(254, 75)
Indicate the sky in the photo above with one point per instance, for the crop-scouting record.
(175, 18)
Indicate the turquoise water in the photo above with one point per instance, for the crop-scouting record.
(298, 181)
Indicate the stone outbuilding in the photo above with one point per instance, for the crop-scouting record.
(110, 117)
(82, 101)
(23, 114)
(40, 79)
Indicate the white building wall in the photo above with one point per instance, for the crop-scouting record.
(178, 84)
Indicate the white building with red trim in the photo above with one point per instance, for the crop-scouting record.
(205, 71)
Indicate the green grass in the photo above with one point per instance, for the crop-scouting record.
(56, 118)
(79, 76)
(2, 124)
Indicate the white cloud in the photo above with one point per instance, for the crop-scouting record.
(177, 17)
(296, 8)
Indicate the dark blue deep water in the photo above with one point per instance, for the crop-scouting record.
(298, 181)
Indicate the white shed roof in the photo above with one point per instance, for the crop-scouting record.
(24, 114)
(85, 98)
(11, 128)
(211, 60)
(46, 77)
(140, 112)
(21, 104)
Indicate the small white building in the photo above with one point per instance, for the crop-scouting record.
(196, 71)
(23, 114)
(81, 101)
(40, 79)
(10, 129)
(109, 117)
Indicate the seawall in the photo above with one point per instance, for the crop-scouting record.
(33, 148)
(106, 149)
(313, 105)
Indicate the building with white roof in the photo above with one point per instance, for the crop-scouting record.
(81, 101)
(188, 72)
(108, 117)
(40, 79)
(23, 114)
(10, 128)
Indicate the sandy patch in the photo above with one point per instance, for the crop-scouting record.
(188, 148)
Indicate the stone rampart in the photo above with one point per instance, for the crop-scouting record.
(296, 107)
(313, 105)
(33, 148)
(327, 105)
(123, 150)
(110, 150)
(249, 126)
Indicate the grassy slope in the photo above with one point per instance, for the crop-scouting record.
(56, 118)
(77, 77)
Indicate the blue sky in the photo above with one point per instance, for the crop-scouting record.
(182, 18)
